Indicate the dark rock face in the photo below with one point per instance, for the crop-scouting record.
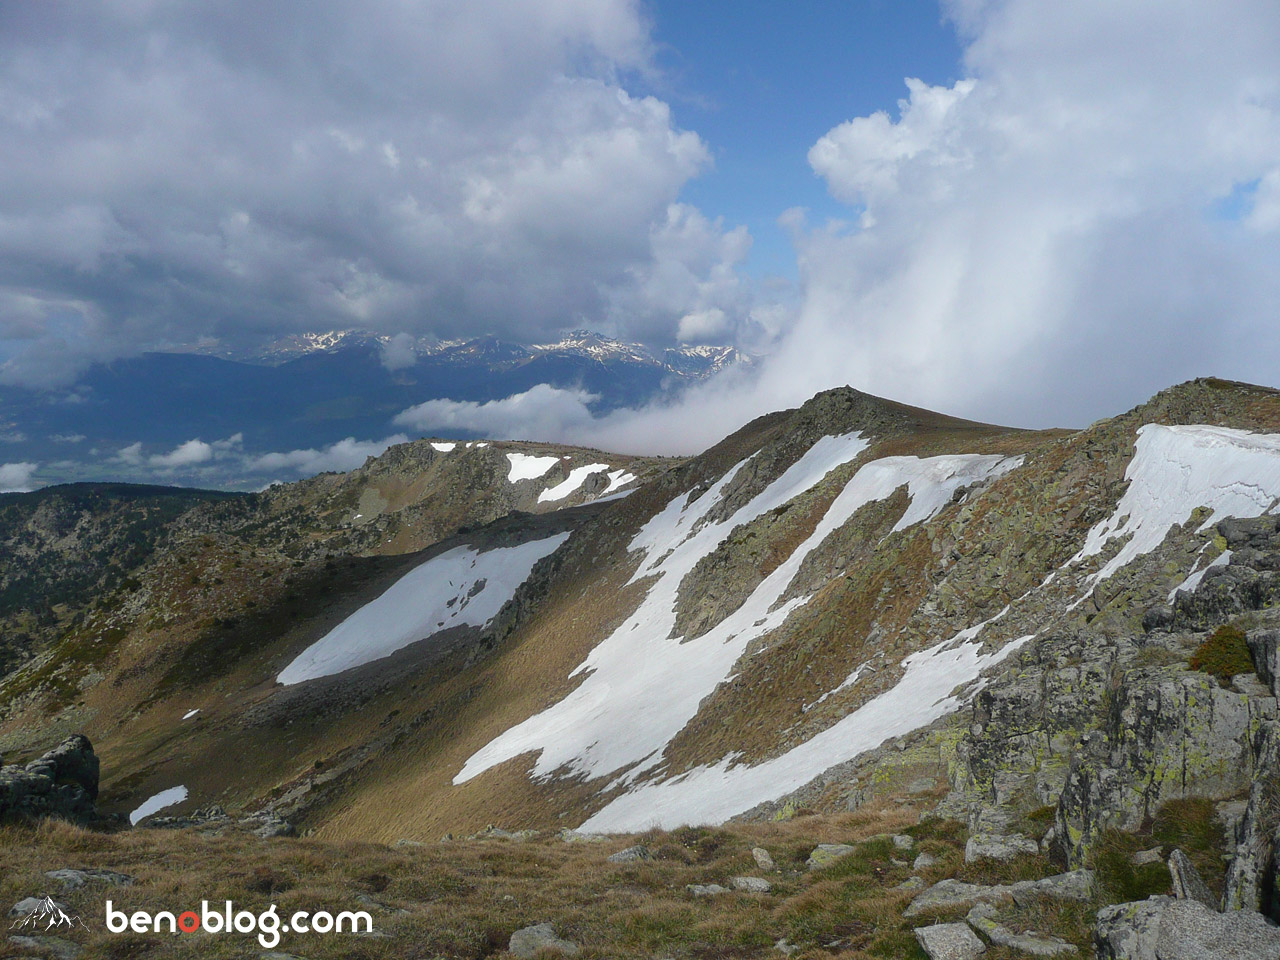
(62, 783)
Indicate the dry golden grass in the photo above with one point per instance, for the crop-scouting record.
(464, 899)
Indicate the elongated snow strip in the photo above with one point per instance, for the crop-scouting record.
(462, 586)
(165, 798)
(713, 794)
(577, 477)
(642, 686)
(1174, 470)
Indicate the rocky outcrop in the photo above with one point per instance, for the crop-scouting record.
(1170, 733)
(62, 783)
(1162, 928)
(1253, 878)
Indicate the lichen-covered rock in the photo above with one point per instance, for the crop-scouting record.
(983, 919)
(991, 846)
(1162, 928)
(949, 941)
(1251, 882)
(1265, 647)
(946, 894)
(825, 854)
(1187, 882)
(1170, 733)
(61, 783)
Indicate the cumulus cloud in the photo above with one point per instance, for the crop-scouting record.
(341, 456)
(184, 455)
(1091, 214)
(171, 171)
(1043, 240)
(543, 412)
(17, 477)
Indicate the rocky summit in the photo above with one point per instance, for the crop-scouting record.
(860, 680)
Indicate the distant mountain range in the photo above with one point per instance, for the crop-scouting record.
(130, 419)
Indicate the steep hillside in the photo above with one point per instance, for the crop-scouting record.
(1064, 644)
(824, 581)
(192, 580)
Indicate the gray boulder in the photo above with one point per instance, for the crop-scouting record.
(951, 893)
(763, 860)
(990, 846)
(61, 783)
(924, 861)
(706, 889)
(825, 854)
(949, 941)
(1187, 882)
(630, 855)
(1164, 928)
(527, 941)
(1265, 647)
(982, 918)
(73, 879)
(751, 884)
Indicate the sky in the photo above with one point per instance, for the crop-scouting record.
(1023, 212)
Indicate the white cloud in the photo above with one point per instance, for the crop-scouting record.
(184, 455)
(398, 353)
(485, 171)
(542, 412)
(1039, 242)
(344, 455)
(16, 477)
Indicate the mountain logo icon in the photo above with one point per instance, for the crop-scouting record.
(43, 913)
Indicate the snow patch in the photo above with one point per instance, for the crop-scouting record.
(444, 447)
(1194, 578)
(577, 477)
(165, 798)
(617, 478)
(641, 686)
(525, 467)
(462, 586)
(713, 794)
(1174, 470)
(190, 713)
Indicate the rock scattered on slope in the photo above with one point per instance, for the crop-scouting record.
(630, 855)
(705, 889)
(72, 879)
(825, 854)
(751, 884)
(763, 859)
(1076, 885)
(528, 941)
(992, 846)
(949, 941)
(982, 918)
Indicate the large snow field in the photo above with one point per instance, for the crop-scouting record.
(462, 586)
(641, 686)
(1174, 470)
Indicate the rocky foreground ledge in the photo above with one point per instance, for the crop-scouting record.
(62, 783)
